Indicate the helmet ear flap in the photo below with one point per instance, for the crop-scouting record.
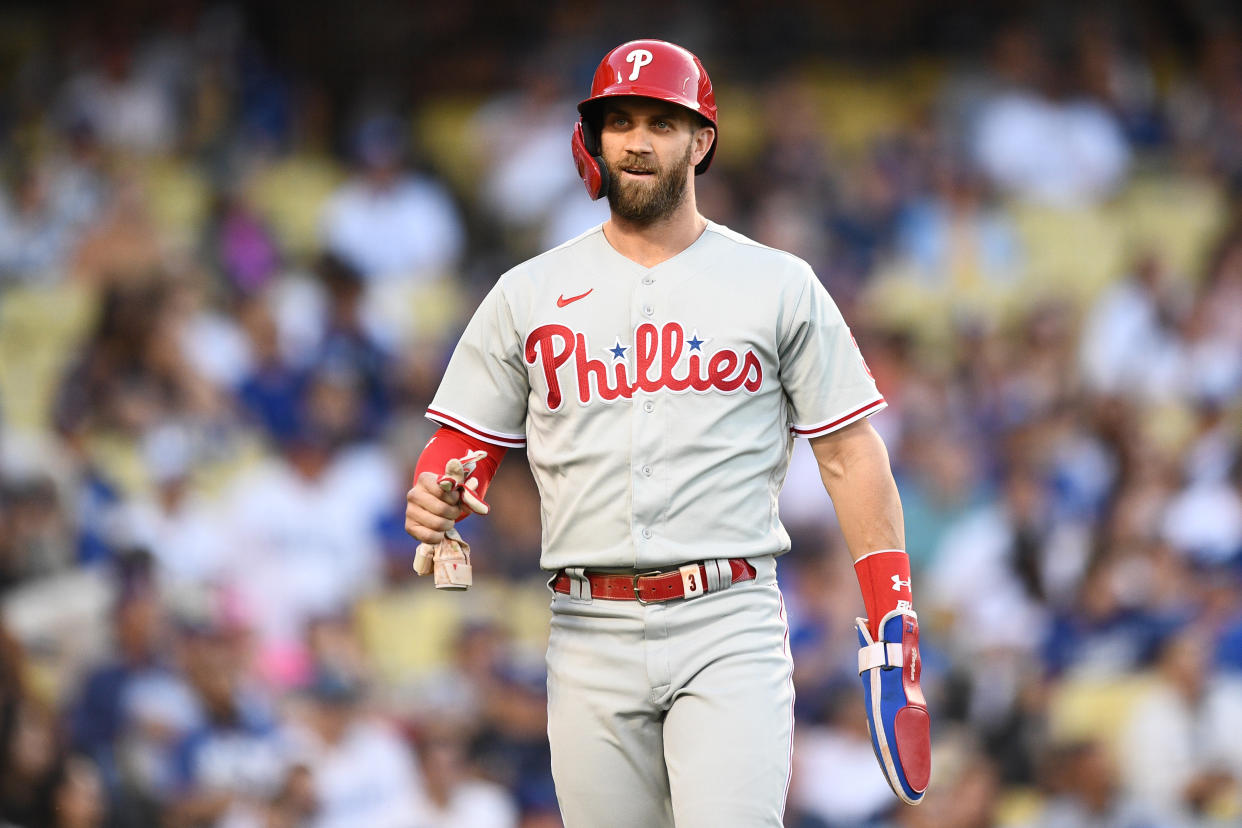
(584, 143)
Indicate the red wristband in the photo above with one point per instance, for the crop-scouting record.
(448, 443)
(884, 578)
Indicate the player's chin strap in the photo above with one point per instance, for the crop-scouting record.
(890, 669)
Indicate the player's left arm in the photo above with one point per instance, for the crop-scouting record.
(854, 465)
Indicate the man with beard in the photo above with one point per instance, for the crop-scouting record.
(657, 369)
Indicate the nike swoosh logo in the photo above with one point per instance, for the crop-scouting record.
(561, 301)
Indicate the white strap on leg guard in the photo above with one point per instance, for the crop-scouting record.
(880, 654)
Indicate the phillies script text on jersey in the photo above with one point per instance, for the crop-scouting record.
(658, 353)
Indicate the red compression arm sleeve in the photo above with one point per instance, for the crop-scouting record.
(884, 578)
(448, 443)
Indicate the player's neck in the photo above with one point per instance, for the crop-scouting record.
(650, 244)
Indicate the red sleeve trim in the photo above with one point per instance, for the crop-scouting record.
(486, 435)
(823, 428)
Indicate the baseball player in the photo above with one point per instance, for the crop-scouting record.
(657, 369)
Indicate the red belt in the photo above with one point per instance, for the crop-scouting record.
(655, 586)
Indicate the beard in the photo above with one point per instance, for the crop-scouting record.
(647, 202)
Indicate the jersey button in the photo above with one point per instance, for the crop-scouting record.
(648, 406)
(648, 310)
(647, 280)
(647, 471)
(646, 533)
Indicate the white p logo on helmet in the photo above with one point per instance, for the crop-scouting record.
(640, 58)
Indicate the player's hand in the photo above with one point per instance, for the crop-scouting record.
(430, 510)
(457, 476)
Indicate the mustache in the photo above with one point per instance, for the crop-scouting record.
(633, 162)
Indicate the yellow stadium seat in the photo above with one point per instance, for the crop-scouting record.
(443, 130)
(857, 107)
(1175, 216)
(290, 195)
(1074, 253)
(740, 127)
(409, 632)
(179, 198)
(1094, 708)
(40, 329)
(1018, 807)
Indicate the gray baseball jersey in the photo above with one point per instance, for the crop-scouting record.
(658, 405)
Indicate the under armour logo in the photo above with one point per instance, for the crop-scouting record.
(898, 584)
(640, 58)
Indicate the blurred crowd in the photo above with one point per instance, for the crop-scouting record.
(228, 286)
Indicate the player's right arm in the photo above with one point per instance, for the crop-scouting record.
(433, 505)
(481, 407)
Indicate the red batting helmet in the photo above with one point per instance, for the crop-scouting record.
(649, 69)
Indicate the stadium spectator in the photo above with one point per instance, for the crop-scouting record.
(233, 764)
(388, 222)
(361, 770)
(455, 797)
(1041, 139)
(1179, 754)
(130, 109)
(1086, 791)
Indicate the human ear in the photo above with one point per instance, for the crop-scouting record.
(702, 141)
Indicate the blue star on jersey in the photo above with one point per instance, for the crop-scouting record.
(618, 350)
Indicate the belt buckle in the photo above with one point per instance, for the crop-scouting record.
(634, 584)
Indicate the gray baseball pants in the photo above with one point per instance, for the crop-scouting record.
(676, 713)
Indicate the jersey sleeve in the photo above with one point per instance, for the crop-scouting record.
(823, 374)
(485, 388)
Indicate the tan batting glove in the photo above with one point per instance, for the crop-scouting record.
(449, 559)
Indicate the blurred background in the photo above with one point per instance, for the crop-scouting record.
(238, 242)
